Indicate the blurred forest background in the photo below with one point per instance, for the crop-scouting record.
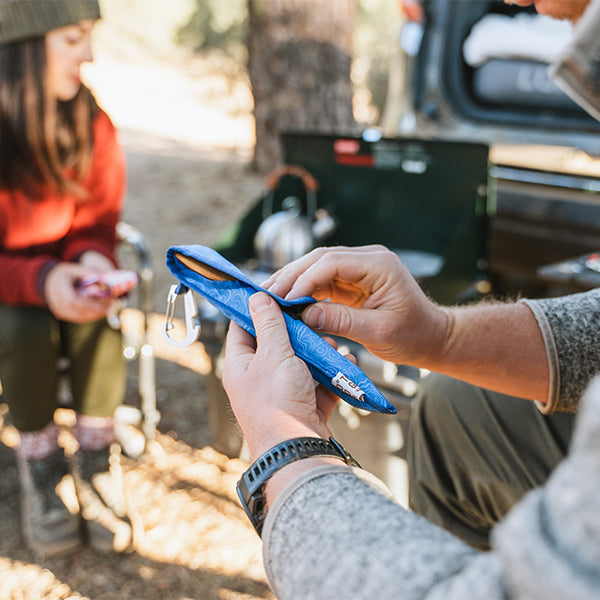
(216, 30)
(212, 39)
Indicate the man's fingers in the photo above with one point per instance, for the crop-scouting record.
(322, 266)
(240, 340)
(240, 347)
(326, 401)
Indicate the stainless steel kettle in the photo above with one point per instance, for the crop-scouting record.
(288, 234)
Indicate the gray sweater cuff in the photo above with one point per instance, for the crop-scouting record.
(552, 400)
(570, 326)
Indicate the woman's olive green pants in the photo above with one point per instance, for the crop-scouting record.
(32, 341)
(472, 454)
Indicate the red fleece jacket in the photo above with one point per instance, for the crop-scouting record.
(34, 235)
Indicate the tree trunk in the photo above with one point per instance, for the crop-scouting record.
(299, 59)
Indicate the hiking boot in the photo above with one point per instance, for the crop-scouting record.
(48, 525)
(102, 504)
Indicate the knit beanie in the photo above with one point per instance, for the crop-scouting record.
(22, 19)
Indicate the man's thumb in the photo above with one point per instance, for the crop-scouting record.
(338, 319)
(271, 332)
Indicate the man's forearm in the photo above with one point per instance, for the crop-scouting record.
(499, 347)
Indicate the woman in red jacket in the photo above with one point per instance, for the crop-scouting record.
(62, 181)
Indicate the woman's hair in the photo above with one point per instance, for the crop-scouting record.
(43, 142)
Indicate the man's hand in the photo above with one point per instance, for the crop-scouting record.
(374, 301)
(64, 302)
(271, 390)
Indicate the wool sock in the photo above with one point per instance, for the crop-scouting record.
(36, 445)
(94, 433)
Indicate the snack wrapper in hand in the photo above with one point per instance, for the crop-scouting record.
(112, 284)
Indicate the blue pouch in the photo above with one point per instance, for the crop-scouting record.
(227, 288)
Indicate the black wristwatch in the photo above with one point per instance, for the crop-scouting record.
(250, 488)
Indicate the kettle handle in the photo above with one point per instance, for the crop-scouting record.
(310, 185)
(272, 179)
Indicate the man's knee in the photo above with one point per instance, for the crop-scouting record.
(437, 403)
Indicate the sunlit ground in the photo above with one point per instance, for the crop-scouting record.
(192, 104)
(191, 538)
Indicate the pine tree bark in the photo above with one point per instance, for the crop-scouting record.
(299, 60)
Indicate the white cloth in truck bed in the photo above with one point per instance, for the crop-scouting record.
(522, 37)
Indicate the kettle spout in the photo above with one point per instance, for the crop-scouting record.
(323, 225)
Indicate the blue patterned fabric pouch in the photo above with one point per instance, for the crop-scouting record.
(227, 288)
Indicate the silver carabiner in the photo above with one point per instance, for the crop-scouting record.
(191, 313)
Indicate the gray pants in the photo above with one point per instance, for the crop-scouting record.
(473, 453)
(31, 341)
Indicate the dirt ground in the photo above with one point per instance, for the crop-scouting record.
(188, 138)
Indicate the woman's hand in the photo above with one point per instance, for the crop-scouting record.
(63, 299)
(96, 261)
(374, 301)
(271, 390)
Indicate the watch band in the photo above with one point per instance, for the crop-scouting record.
(250, 488)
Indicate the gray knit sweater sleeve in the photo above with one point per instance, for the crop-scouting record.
(333, 534)
(570, 326)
